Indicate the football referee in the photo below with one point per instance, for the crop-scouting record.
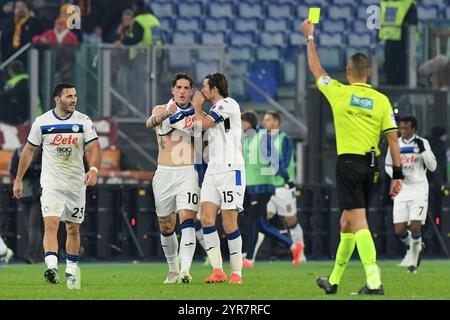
(360, 114)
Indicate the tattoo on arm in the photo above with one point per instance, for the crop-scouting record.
(156, 120)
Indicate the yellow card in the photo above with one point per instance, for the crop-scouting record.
(314, 15)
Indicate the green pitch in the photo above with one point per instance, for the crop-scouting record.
(268, 280)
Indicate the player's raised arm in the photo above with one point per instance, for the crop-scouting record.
(159, 114)
(313, 58)
(25, 159)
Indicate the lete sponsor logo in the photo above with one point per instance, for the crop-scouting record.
(59, 140)
(188, 122)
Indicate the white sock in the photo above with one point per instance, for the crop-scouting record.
(200, 239)
(187, 244)
(51, 260)
(415, 246)
(3, 247)
(169, 242)
(71, 263)
(259, 242)
(235, 247)
(297, 233)
(406, 241)
(212, 243)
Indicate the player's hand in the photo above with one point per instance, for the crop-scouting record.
(445, 191)
(420, 145)
(90, 179)
(307, 27)
(198, 99)
(171, 109)
(17, 189)
(396, 187)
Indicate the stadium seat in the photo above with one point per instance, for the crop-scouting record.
(359, 25)
(243, 66)
(428, 12)
(331, 39)
(332, 25)
(314, 3)
(297, 39)
(289, 75)
(273, 25)
(240, 52)
(5, 159)
(190, 9)
(272, 39)
(246, 24)
(164, 9)
(361, 12)
(352, 2)
(331, 58)
(187, 24)
(268, 53)
(217, 24)
(369, 2)
(302, 11)
(439, 3)
(189, 37)
(341, 12)
(264, 75)
(208, 37)
(237, 89)
(166, 24)
(221, 10)
(279, 10)
(242, 38)
(250, 10)
(361, 39)
(202, 68)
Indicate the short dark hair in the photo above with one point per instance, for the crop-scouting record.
(16, 66)
(218, 80)
(57, 91)
(251, 117)
(274, 114)
(360, 65)
(410, 119)
(182, 75)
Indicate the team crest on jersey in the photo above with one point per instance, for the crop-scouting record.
(75, 128)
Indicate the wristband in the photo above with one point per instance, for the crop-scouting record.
(310, 37)
(93, 169)
(397, 173)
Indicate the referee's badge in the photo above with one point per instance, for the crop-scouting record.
(75, 128)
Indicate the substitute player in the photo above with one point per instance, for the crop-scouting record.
(175, 184)
(360, 114)
(284, 201)
(260, 160)
(64, 133)
(224, 183)
(411, 204)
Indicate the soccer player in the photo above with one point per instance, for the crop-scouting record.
(5, 253)
(259, 188)
(284, 202)
(176, 183)
(64, 133)
(360, 114)
(224, 183)
(411, 204)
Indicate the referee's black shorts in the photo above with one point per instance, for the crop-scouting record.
(355, 180)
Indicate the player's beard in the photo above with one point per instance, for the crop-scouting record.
(68, 108)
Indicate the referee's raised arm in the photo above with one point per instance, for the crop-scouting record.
(313, 58)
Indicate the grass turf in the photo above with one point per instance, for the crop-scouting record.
(268, 280)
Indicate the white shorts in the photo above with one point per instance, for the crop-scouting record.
(175, 189)
(405, 211)
(68, 205)
(283, 202)
(225, 189)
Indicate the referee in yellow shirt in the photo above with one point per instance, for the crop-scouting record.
(360, 114)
